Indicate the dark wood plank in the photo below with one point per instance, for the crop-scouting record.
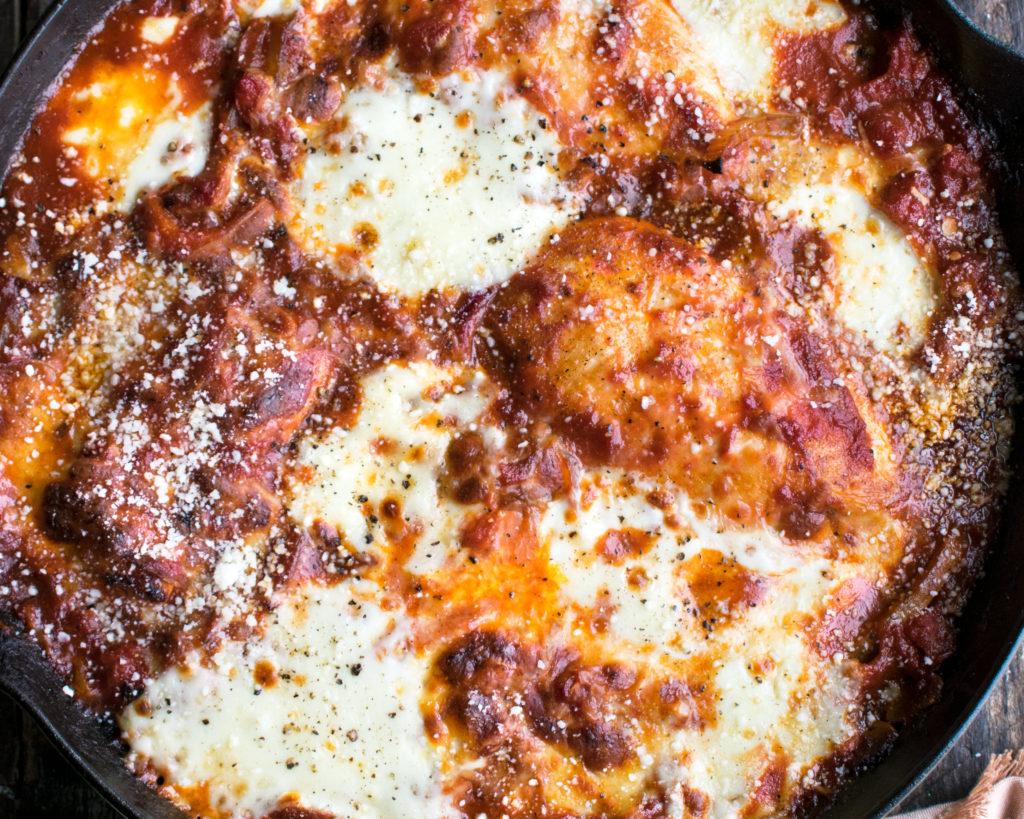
(36, 781)
(9, 29)
(999, 726)
(1001, 18)
(31, 12)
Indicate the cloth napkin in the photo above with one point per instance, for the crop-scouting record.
(999, 794)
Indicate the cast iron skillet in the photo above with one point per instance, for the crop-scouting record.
(990, 629)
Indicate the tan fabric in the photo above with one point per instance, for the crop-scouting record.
(999, 794)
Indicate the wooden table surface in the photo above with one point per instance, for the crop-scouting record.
(35, 781)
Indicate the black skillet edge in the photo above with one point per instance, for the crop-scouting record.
(92, 747)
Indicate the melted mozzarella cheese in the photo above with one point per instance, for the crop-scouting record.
(788, 700)
(135, 132)
(772, 686)
(653, 613)
(158, 30)
(739, 35)
(652, 616)
(883, 290)
(773, 690)
(323, 707)
(177, 146)
(394, 451)
(455, 188)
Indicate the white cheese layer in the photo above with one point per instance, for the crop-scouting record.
(324, 707)
(453, 189)
(158, 30)
(137, 137)
(177, 146)
(785, 700)
(739, 35)
(772, 686)
(653, 614)
(395, 451)
(882, 289)
(270, 8)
